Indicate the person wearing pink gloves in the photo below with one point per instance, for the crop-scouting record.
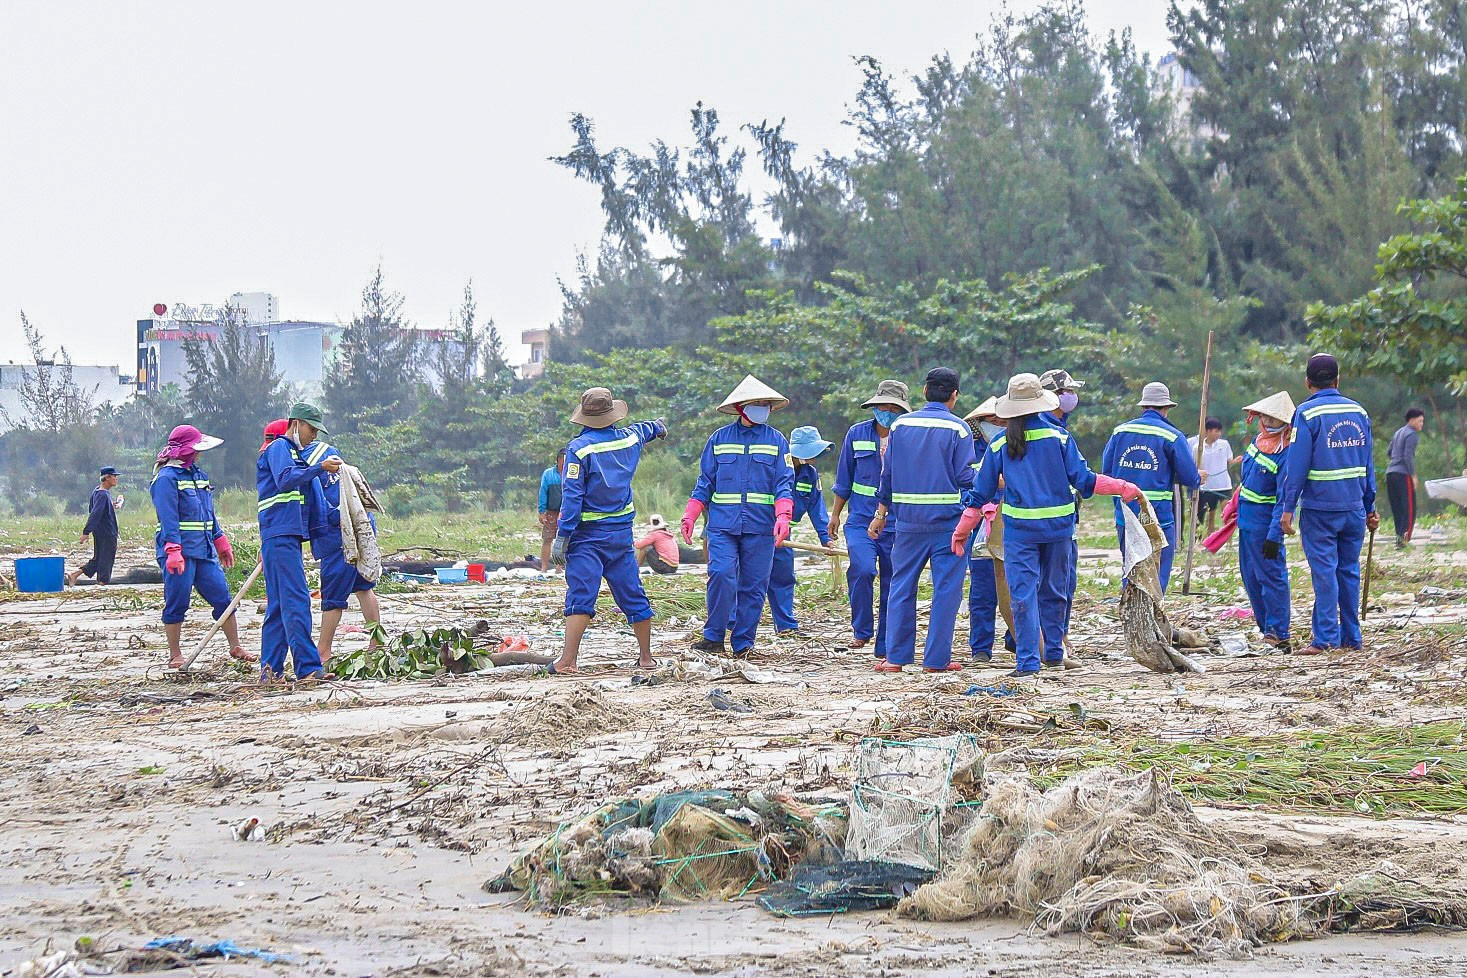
(191, 548)
(747, 492)
(1039, 465)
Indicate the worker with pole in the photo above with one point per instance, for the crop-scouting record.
(1152, 453)
(190, 546)
(1330, 475)
(283, 480)
(857, 475)
(746, 489)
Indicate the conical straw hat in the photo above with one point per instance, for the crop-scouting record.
(988, 409)
(751, 388)
(1279, 405)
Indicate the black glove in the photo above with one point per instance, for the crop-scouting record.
(1272, 549)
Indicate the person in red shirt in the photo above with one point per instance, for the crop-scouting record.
(658, 549)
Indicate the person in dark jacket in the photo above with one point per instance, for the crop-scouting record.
(1401, 475)
(102, 528)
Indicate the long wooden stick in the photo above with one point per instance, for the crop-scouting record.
(249, 581)
(1197, 461)
(1369, 566)
(810, 548)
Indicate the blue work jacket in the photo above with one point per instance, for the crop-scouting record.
(858, 474)
(1260, 491)
(741, 475)
(1329, 464)
(1038, 494)
(184, 502)
(809, 497)
(929, 462)
(1153, 454)
(599, 466)
(284, 482)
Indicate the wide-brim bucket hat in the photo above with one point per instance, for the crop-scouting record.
(1059, 381)
(1156, 394)
(598, 409)
(890, 392)
(988, 409)
(750, 389)
(1279, 405)
(187, 437)
(806, 443)
(1025, 396)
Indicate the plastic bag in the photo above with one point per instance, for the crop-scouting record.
(1138, 544)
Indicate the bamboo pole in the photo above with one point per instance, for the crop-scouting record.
(1197, 460)
(243, 589)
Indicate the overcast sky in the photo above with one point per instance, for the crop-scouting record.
(180, 151)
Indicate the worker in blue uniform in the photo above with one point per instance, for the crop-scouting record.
(746, 490)
(288, 490)
(1152, 453)
(806, 445)
(189, 544)
(1067, 389)
(857, 476)
(1330, 474)
(339, 579)
(929, 462)
(593, 536)
(983, 579)
(1040, 468)
(1262, 559)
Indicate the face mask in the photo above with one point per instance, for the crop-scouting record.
(990, 430)
(756, 413)
(1069, 400)
(884, 418)
(1272, 431)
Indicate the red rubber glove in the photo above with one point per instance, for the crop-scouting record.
(226, 552)
(784, 512)
(173, 557)
(990, 513)
(690, 519)
(1106, 485)
(966, 523)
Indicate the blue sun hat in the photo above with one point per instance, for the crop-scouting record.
(806, 443)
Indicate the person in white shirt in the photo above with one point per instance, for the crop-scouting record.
(1217, 485)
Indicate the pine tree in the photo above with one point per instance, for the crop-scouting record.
(378, 363)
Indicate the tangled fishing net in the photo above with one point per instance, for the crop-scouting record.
(1148, 631)
(1114, 854)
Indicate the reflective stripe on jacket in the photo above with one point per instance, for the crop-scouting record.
(1260, 489)
(599, 466)
(1038, 494)
(184, 502)
(1152, 453)
(929, 462)
(1329, 465)
(741, 475)
(283, 483)
(858, 474)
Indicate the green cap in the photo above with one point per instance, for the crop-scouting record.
(309, 413)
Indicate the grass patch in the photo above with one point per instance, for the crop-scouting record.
(1369, 771)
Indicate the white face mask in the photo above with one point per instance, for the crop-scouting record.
(756, 413)
(990, 430)
(1272, 431)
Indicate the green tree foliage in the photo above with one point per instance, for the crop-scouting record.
(378, 363)
(233, 383)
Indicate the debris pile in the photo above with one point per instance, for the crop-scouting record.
(678, 846)
(1148, 631)
(1116, 854)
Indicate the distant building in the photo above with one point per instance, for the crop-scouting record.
(1182, 85)
(538, 340)
(103, 383)
(258, 307)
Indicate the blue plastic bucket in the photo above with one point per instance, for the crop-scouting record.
(452, 575)
(36, 575)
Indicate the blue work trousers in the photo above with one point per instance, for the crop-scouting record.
(1037, 574)
(738, 579)
(781, 592)
(1332, 542)
(204, 576)
(1265, 581)
(869, 559)
(287, 610)
(913, 551)
(598, 551)
(982, 603)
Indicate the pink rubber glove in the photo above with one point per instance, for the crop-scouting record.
(784, 512)
(990, 513)
(1106, 485)
(174, 558)
(226, 552)
(690, 519)
(964, 529)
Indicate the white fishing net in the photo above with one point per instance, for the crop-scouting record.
(912, 800)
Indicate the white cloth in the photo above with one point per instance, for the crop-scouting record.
(1215, 459)
(358, 538)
